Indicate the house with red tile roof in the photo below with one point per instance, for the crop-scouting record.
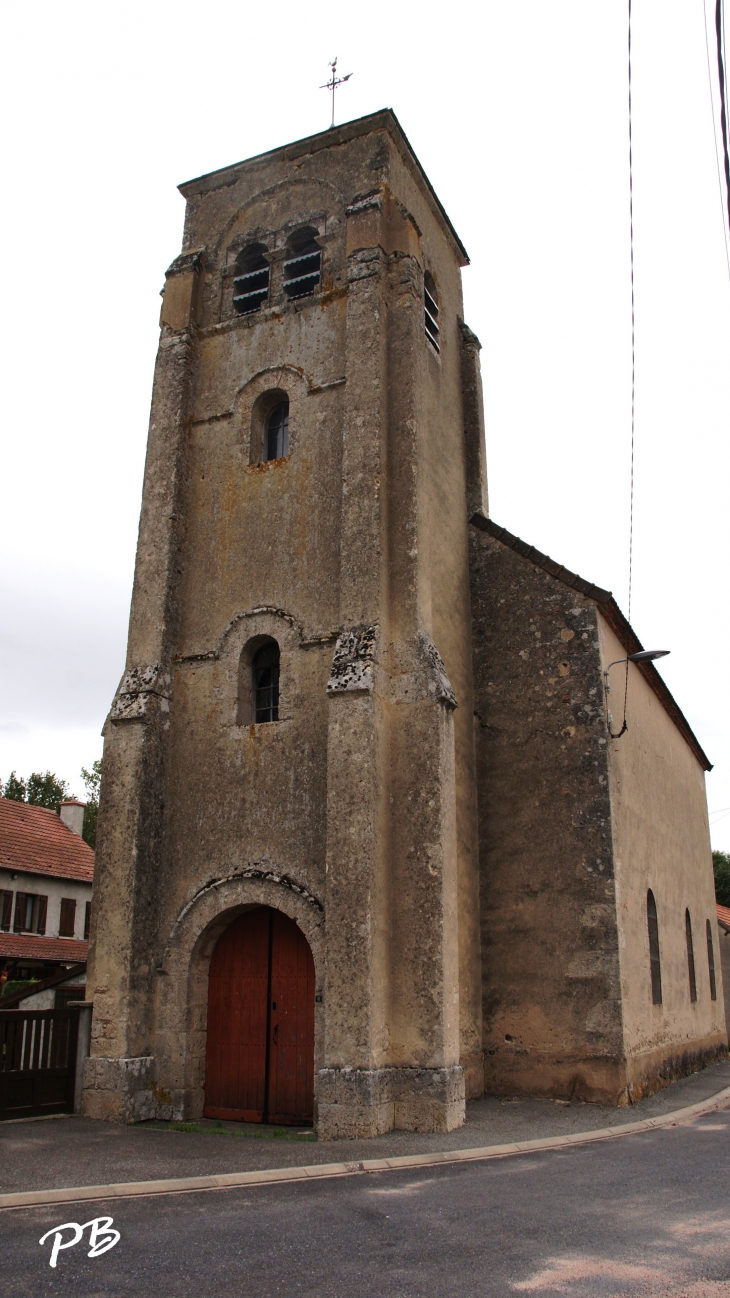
(46, 878)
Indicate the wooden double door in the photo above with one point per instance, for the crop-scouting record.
(260, 1047)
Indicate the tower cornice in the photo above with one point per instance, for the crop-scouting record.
(384, 120)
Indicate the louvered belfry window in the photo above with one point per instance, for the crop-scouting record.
(654, 957)
(303, 265)
(431, 312)
(251, 283)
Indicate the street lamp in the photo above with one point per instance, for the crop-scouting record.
(644, 656)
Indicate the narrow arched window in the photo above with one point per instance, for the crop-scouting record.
(251, 282)
(431, 311)
(276, 432)
(265, 672)
(303, 265)
(654, 960)
(711, 962)
(690, 956)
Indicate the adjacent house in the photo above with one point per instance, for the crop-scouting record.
(46, 876)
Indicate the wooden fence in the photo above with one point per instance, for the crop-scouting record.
(41, 1060)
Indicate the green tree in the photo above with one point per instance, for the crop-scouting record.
(92, 780)
(721, 866)
(46, 790)
(42, 790)
(14, 788)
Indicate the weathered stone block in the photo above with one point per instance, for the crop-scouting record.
(123, 1090)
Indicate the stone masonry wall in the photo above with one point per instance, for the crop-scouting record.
(551, 991)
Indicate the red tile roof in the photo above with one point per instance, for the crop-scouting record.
(17, 946)
(36, 840)
(723, 916)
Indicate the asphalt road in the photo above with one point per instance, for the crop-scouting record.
(643, 1215)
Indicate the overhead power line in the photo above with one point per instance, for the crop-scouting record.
(721, 190)
(633, 344)
(720, 40)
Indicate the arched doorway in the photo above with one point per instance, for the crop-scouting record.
(260, 1043)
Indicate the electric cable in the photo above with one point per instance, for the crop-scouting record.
(633, 333)
(624, 725)
(720, 33)
(714, 137)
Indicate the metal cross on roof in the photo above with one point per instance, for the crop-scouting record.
(333, 83)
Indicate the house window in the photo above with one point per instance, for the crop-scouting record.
(87, 921)
(654, 960)
(276, 432)
(67, 925)
(711, 962)
(6, 910)
(265, 672)
(431, 312)
(690, 956)
(303, 265)
(30, 913)
(251, 282)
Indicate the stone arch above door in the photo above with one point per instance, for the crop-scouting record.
(183, 977)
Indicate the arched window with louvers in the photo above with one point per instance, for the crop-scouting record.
(251, 280)
(431, 312)
(303, 264)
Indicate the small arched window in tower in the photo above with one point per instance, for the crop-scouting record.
(265, 672)
(711, 962)
(431, 311)
(276, 432)
(251, 282)
(690, 956)
(303, 265)
(654, 960)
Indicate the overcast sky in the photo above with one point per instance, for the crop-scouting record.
(518, 113)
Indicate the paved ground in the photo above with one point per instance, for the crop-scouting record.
(647, 1217)
(77, 1151)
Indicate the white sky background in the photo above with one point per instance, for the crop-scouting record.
(518, 114)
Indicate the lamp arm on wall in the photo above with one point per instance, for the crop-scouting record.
(643, 656)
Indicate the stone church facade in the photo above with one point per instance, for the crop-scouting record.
(366, 847)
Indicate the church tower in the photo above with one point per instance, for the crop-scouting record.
(286, 922)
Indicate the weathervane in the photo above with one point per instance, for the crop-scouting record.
(333, 83)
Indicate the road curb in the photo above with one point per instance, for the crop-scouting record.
(323, 1171)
